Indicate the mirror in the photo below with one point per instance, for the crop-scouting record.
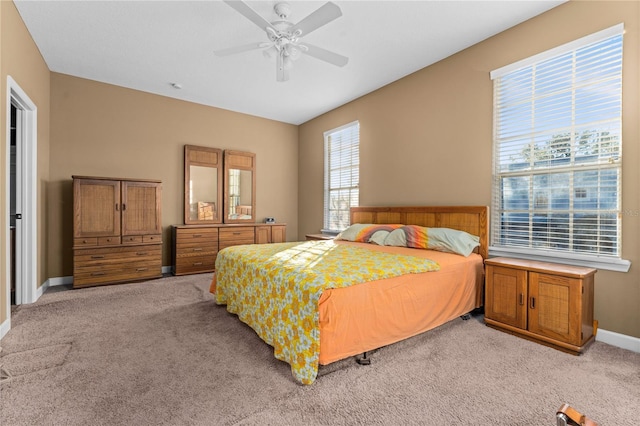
(240, 186)
(202, 185)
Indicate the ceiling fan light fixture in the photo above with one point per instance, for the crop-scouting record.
(293, 52)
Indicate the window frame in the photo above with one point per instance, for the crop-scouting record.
(599, 260)
(328, 187)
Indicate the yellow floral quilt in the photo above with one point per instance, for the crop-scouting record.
(275, 289)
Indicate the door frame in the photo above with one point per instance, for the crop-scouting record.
(26, 195)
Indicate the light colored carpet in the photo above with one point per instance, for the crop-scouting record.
(163, 353)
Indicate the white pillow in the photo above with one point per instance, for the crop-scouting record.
(379, 237)
(396, 238)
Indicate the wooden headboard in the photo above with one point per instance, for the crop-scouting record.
(471, 219)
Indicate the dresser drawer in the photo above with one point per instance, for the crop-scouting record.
(85, 242)
(107, 274)
(152, 238)
(117, 254)
(117, 264)
(195, 264)
(236, 236)
(196, 234)
(108, 241)
(195, 241)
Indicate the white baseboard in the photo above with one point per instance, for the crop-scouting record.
(620, 340)
(5, 327)
(52, 282)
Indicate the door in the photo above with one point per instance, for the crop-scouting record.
(96, 205)
(15, 134)
(506, 298)
(21, 180)
(554, 307)
(263, 234)
(278, 234)
(141, 203)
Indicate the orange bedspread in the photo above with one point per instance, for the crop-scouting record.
(361, 318)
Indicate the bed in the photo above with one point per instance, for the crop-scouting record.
(314, 312)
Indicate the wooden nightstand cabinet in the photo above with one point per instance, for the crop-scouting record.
(545, 302)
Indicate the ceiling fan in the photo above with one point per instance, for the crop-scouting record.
(285, 37)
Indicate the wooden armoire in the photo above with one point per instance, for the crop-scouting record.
(117, 230)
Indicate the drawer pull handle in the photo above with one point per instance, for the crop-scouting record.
(197, 235)
(97, 257)
(141, 253)
(236, 233)
(141, 269)
(98, 274)
(521, 299)
(116, 206)
(533, 303)
(197, 264)
(197, 249)
(84, 241)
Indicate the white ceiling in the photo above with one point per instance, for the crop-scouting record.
(147, 45)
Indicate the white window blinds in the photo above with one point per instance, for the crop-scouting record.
(558, 149)
(341, 175)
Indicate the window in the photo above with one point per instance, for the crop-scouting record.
(558, 152)
(341, 175)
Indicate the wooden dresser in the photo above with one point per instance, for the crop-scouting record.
(117, 230)
(195, 247)
(545, 302)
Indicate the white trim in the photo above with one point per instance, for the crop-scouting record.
(29, 169)
(556, 51)
(5, 327)
(343, 127)
(620, 340)
(598, 262)
(52, 282)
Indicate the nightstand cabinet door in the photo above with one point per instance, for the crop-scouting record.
(554, 307)
(506, 296)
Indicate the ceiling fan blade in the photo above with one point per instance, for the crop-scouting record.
(239, 49)
(325, 14)
(324, 55)
(282, 74)
(249, 13)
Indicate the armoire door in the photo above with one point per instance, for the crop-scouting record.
(96, 208)
(141, 202)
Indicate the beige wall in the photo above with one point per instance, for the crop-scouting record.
(427, 139)
(21, 59)
(103, 130)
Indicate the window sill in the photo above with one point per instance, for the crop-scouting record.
(598, 262)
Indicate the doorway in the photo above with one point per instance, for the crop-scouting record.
(21, 190)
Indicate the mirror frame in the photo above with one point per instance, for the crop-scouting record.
(243, 161)
(205, 157)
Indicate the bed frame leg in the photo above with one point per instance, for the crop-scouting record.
(466, 317)
(363, 360)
